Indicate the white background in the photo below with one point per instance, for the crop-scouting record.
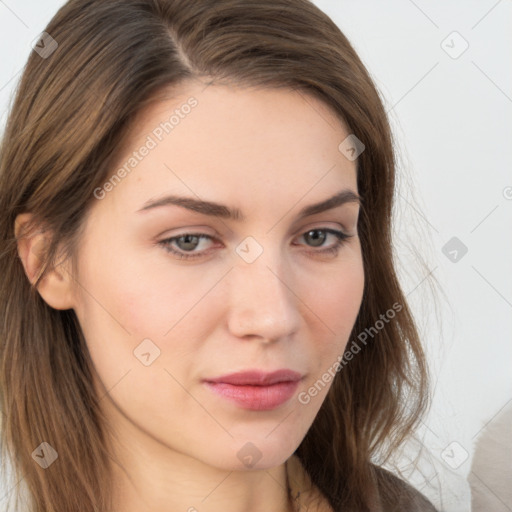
(453, 125)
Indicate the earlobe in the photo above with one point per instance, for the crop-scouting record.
(56, 286)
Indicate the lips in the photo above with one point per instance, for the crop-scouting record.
(256, 390)
(257, 378)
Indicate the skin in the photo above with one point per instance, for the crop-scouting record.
(269, 153)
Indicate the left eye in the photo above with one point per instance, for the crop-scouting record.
(188, 242)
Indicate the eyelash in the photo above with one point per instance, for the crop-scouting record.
(341, 239)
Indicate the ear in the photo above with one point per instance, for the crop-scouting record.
(56, 286)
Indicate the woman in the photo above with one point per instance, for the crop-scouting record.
(200, 308)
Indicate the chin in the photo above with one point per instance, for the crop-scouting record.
(257, 450)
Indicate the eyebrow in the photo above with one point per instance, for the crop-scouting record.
(224, 212)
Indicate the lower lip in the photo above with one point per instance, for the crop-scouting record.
(256, 398)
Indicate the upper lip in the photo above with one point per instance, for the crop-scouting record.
(257, 377)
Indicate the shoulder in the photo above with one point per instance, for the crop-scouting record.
(396, 494)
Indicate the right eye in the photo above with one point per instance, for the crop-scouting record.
(188, 242)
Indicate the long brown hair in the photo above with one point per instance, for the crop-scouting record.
(71, 115)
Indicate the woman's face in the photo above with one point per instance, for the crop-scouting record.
(164, 314)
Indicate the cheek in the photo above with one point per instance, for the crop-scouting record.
(124, 317)
(336, 305)
(338, 299)
(136, 295)
(127, 301)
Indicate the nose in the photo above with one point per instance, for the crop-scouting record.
(262, 300)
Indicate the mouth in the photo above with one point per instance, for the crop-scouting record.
(256, 390)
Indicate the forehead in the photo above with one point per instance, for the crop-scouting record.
(217, 140)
